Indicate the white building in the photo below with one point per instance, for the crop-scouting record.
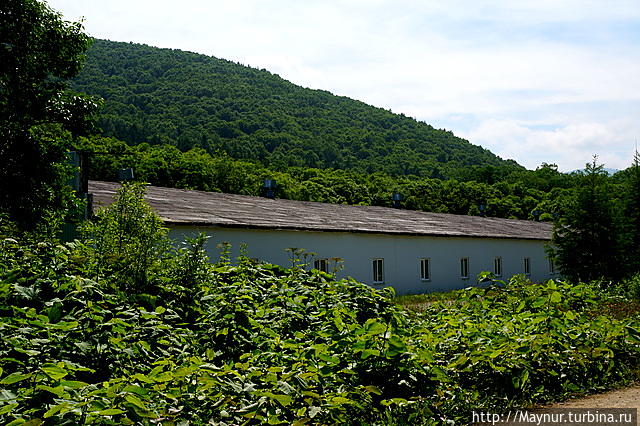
(412, 251)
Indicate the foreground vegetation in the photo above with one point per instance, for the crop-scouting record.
(124, 329)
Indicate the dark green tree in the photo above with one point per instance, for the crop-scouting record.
(631, 229)
(39, 51)
(585, 238)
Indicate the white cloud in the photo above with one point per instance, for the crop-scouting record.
(570, 147)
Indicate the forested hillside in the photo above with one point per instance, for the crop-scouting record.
(164, 96)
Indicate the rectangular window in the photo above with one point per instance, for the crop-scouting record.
(552, 267)
(378, 271)
(425, 269)
(497, 266)
(527, 266)
(321, 265)
(464, 267)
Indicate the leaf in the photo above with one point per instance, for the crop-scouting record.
(84, 346)
(313, 411)
(135, 389)
(55, 409)
(67, 326)
(73, 384)
(286, 388)
(58, 391)
(141, 377)
(392, 401)
(369, 352)
(7, 408)
(556, 297)
(54, 371)
(539, 302)
(396, 346)
(374, 328)
(373, 389)
(14, 378)
(132, 399)
(284, 400)
(111, 412)
(55, 313)
(337, 320)
(439, 374)
(328, 358)
(6, 395)
(339, 400)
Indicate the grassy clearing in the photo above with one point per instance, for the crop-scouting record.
(420, 302)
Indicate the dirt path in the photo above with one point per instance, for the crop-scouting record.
(620, 398)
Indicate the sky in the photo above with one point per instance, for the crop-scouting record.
(542, 81)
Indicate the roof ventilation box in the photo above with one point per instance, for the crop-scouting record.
(397, 200)
(269, 188)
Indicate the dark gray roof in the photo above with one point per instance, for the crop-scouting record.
(185, 207)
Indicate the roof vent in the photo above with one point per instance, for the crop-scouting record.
(125, 174)
(397, 200)
(269, 188)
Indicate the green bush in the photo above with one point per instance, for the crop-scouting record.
(127, 242)
(630, 287)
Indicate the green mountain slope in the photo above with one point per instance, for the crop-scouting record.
(190, 100)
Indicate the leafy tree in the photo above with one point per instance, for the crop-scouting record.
(38, 52)
(586, 237)
(128, 241)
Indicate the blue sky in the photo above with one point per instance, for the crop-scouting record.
(538, 81)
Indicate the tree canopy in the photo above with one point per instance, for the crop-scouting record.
(39, 51)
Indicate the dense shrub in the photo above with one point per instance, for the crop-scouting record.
(244, 342)
(522, 343)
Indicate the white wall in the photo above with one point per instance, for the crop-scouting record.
(401, 254)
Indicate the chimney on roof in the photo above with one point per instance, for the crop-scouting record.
(397, 200)
(269, 188)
